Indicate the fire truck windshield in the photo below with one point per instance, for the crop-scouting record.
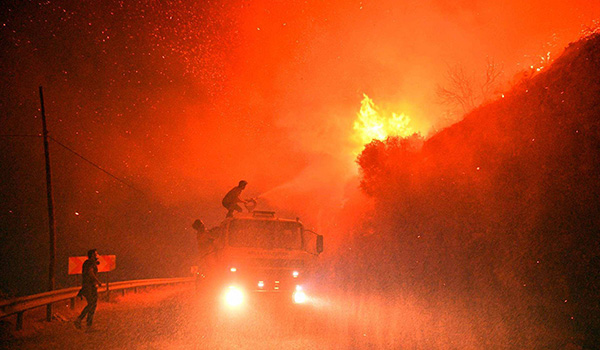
(265, 234)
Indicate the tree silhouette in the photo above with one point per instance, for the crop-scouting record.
(464, 91)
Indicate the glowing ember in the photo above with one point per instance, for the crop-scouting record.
(374, 124)
(544, 61)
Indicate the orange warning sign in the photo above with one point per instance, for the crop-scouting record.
(106, 263)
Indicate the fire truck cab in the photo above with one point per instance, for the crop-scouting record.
(261, 253)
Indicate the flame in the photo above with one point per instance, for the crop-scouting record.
(374, 124)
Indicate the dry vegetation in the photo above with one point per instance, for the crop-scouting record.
(493, 222)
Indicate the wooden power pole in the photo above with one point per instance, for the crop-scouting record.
(51, 225)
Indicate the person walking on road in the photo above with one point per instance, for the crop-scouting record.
(89, 288)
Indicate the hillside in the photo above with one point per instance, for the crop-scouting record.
(501, 208)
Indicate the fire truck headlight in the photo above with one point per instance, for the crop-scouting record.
(299, 297)
(295, 274)
(234, 296)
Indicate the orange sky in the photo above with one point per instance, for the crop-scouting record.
(296, 74)
(184, 99)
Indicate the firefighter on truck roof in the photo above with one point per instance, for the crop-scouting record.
(232, 198)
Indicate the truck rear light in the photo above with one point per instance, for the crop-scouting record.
(233, 269)
(261, 284)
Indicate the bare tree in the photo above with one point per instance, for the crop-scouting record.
(464, 91)
(490, 85)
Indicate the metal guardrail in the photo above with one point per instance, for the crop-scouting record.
(19, 305)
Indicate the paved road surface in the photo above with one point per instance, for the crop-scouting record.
(173, 318)
(180, 318)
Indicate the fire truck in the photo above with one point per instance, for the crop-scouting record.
(260, 253)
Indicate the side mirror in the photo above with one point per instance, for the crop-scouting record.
(319, 244)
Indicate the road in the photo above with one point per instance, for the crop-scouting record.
(182, 318)
(175, 318)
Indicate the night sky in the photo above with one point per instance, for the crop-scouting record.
(181, 100)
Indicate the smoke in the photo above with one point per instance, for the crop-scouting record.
(184, 99)
(299, 72)
(269, 92)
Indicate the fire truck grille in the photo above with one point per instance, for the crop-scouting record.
(289, 263)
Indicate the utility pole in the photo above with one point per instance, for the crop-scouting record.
(51, 225)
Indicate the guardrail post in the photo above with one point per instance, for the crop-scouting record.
(20, 321)
(49, 312)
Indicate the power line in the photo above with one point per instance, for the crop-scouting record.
(82, 157)
(96, 165)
